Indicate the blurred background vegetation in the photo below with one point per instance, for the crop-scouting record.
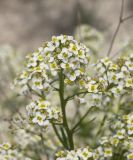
(26, 24)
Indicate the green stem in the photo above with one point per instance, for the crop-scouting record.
(72, 96)
(63, 105)
(80, 121)
(102, 124)
(77, 94)
(35, 92)
(65, 139)
(56, 131)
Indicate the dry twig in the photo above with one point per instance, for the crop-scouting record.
(122, 19)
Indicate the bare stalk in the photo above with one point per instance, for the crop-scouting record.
(117, 28)
(122, 19)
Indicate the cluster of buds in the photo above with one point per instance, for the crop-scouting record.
(41, 113)
(8, 153)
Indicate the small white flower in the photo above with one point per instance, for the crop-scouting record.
(130, 129)
(130, 156)
(108, 152)
(73, 48)
(50, 46)
(72, 76)
(40, 119)
(121, 133)
(81, 100)
(42, 104)
(113, 77)
(106, 61)
(129, 65)
(37, 83)
(62, 38)
(129, 82)
(130, 120)
(101, 68)
(92, 87)
(117, 90)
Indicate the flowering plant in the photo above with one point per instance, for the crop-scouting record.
(67, 92)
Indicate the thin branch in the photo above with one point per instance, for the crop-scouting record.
(72, 96)
(122, 9)
(55, 123)
(81, 120)
(102, 124)
(56, 131)
(35, 92)
(78, 128)
(122, 19)
(55, 89)
(119, 51)
(114, 55)
(114, 37)
(128, 17)
(79, 20)
(117, 28)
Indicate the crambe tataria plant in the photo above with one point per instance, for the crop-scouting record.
(61, 68)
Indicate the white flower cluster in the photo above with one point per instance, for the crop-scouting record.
(10, 64)
(112, 77)
(65, 54)
(26, 137)
(31, 138)
(41, 113)
(120, 144)
(81, 153)
(62, 53)
(8, 153)
(118, 76)
(85, 154)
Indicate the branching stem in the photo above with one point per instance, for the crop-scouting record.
(120, 22)
(56, 132)
(81, 120)
(63, 108)
(72, 96)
